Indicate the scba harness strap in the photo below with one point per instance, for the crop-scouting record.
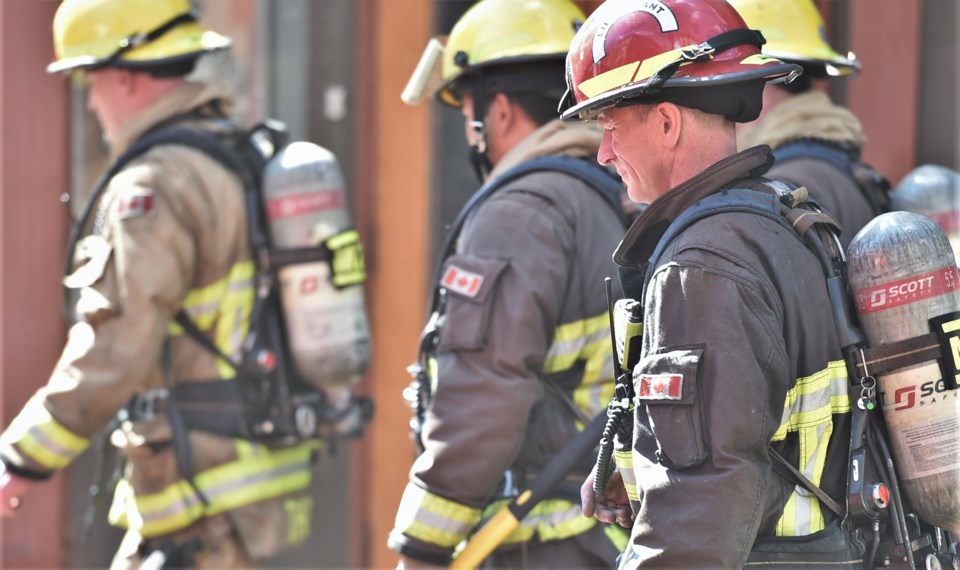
(874, 187)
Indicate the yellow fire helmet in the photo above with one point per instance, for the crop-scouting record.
(493, 32)
(795, 33)
(133, 34)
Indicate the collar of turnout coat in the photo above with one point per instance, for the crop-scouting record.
(643, 235)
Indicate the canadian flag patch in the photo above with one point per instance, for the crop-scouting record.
(660, 386)
(134, 205)
(462, 281)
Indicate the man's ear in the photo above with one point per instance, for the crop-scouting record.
(500, 114)
(669, 120)
(127, 80)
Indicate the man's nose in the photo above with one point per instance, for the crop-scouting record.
(605, 154)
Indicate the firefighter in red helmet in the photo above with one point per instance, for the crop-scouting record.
(740, 371)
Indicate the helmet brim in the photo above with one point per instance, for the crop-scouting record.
(209, 42)
(637, 92)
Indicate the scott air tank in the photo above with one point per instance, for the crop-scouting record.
(933, 191)
(327, 331)
(903, 273)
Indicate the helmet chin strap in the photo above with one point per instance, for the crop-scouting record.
(479, 160)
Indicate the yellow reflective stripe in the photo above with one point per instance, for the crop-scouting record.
(552, 519)
(617, 535)
(42, 438)
(571, 340)
(174, 508)
(609, 80)
(759, 59)
(342, 239)
(624, 462)
(241, 483)
(626, 74)
(434, 519)
(229, 486)
(348, 266)
(225, 307)
(808, 411)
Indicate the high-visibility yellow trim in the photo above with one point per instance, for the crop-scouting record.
(624, 462)
(434, 519)
(348, 266)
(552, 519)
(571, 340)
(609, 80)
(808, 411)
(586, 340)
(229, 486)
(626, 74)
(42, 438)
(617, 535)
(759, 59)
(225, 307)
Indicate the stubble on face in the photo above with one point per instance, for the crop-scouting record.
(629, 145)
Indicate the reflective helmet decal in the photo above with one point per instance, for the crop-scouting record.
(659, 10)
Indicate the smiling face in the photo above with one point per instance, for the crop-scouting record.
(632, 144)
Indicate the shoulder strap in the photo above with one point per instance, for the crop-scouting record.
(597, 178)
(732, 200)
(808, 148)
(872, 184)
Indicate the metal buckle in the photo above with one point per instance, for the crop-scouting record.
(145, 406)
(698, 52)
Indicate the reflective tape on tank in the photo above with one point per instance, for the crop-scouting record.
(229, 486)
(808, 411)
(42, 439)
(434, 519)
(908, 290)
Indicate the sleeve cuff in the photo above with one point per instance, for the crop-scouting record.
(36, 442)
(405, 547)
(432, 519)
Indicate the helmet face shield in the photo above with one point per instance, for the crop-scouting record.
(425, 80)
(493, 34)
(635, 52)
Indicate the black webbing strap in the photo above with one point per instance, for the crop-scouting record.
(214, 406)
(705, 52)
(140, 38)
(189, 327)
(284, 257)
(791, 473)
(896, 355)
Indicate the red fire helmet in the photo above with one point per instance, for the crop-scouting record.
(645, 51)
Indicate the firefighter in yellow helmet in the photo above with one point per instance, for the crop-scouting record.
(167, 234)
(816, 142)
(515, 358)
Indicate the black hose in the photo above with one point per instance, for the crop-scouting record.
(896, 498)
